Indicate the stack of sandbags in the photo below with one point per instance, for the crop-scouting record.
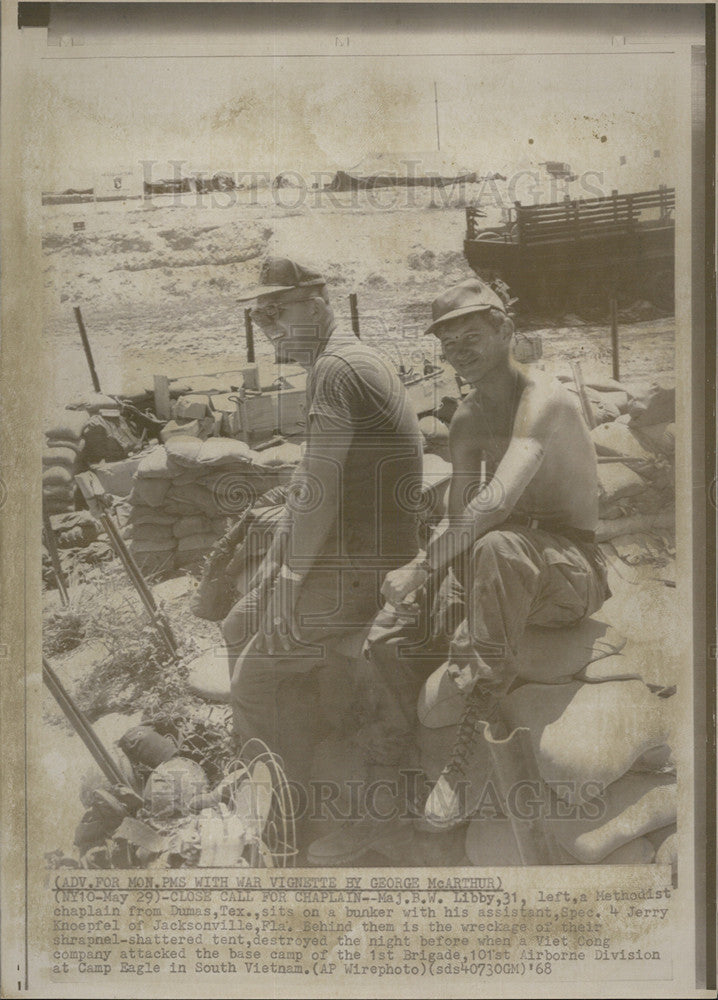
(601, 750)
(637, 495)
(62, 459)
(185, 490)
(77, 438)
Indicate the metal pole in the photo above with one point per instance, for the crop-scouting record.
(614, 339)
(55, 558)
(354, 308)
(436, 105)
(88, 352)
(133, 571)
(249, 335)
(83, 728)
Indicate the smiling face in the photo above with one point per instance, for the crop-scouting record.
(474, 345)
(291, 323)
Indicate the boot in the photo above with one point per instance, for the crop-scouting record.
(457, 792)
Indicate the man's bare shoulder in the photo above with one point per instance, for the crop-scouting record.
(544, 394)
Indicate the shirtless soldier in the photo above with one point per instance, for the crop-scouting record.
(520, 550)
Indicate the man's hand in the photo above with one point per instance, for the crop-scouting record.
(399, 583)
(278, 632)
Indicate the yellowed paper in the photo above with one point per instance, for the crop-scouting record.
(153, 157)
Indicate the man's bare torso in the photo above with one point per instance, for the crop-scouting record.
(564, 488)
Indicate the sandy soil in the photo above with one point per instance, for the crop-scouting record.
(157, 282)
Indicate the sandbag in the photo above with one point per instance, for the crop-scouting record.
(148, 532)
(117, 478)
(155, 464)
(189, 474)
(583, 733)
(183, 449)
(208, 675)
(57, 477)
(93, 402)
(150, 492)
(602, 406)
(544, 656)
(491, 843)
(197, 524)
(657, 406)
(223, 451)
(152, 545)
(601, 383)
(283, 454)
(149, 515)
(194, 496)
(618, 439)
(197, 543)
(616, 481)
(64, 458)
(234, 491)
(632, 807)
(68, 426)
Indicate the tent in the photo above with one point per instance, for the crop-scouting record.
(427, 169)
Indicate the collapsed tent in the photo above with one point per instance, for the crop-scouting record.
(429, 169)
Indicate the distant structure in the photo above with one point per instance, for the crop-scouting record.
(562, 171)
(421, 169)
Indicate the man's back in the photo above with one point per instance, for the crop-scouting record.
(357, 400)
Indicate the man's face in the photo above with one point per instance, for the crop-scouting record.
(473, 346)
(289, 322)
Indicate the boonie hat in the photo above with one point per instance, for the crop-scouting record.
(279, 274)
(472, 295)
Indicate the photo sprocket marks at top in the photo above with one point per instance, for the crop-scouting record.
(239, 472)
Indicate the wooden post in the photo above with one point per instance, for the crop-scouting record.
(88, 352)
(249, 335)
(162, 397)
(354, 307)
(614, 339)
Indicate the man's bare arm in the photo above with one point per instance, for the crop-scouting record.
(535, 423)
(533, 427)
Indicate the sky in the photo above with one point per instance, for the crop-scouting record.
(273, 113)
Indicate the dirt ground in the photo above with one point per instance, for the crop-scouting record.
(157, 284)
